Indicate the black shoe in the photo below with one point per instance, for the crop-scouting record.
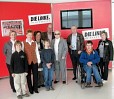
(74, 78)
(43, 85)
(31, 92)
(64, 82)
(55, 82)
(100, 84)
(14, 90)
(39, 86)
(36, 91)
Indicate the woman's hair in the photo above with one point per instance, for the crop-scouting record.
(35, 33)
(103, 32)
(18, 42)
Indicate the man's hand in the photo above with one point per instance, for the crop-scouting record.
(70, 46)
(13, 75)
(63, 57)
(79, 52)
(49, 65)
(26, 74)
(89, 63)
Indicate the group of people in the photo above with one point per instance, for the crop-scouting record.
(47, 53)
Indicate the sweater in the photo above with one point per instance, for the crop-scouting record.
(19, 62)
(93, 57)
(47, 56)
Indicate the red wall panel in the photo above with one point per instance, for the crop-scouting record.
(14, 10)
(101, 17)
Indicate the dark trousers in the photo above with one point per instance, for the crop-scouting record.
(104, 69)
(75, 60)
(11, 78)
(34, 69)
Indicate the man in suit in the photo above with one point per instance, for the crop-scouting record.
(49, 34)
(59, 45)
(75, 43)
(8, 50)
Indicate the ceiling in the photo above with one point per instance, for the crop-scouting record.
(45, 1)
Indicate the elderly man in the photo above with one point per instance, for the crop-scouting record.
(49, 34)
(59, 45)
(75, 43)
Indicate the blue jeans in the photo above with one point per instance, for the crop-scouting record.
(88, 70)
(48, 75)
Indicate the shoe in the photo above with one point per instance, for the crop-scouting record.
(64, 82)
(88, 84)
(104, 81)
(47, 89)
(39, 86)
(51, 88)
(43, 85)
(74, 78)
(36, 91)
(19, 97)
(14, 90)
(100, 84)
(26, 95)
(31, 92)
(55, 82)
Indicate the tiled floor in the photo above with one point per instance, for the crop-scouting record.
(68, 91)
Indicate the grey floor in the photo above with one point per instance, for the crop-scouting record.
(71, 90)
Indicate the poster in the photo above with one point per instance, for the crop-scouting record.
(40, 19)
(94, 34)
(9, 25)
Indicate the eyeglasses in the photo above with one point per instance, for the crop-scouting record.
(57, 34)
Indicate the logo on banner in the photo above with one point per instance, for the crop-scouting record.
(40, 19)
(94, 34)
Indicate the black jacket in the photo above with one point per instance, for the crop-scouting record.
(108, 50)
(19, 62)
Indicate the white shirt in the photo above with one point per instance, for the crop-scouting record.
(36, 50)
(13, 47)
(74, 41)
(56, 47)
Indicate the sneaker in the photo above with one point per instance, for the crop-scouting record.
(88, 84)
(51, 88)
(64, 82)
(100, 84)
(26, 95)
(74, 78)
(55, 82)
(19, 97)
(104, 81)
(47, 89)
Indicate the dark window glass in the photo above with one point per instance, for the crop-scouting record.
(81, 18)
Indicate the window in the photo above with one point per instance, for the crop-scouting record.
(82, 18)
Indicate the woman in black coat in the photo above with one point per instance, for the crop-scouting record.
(37, 37)
(105, 50)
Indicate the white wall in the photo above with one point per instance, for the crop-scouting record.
(113, 24)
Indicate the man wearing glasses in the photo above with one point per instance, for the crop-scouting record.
(59, 45)
(75, 43)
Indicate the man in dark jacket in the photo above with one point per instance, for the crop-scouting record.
(49, 34)
(75, 43)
